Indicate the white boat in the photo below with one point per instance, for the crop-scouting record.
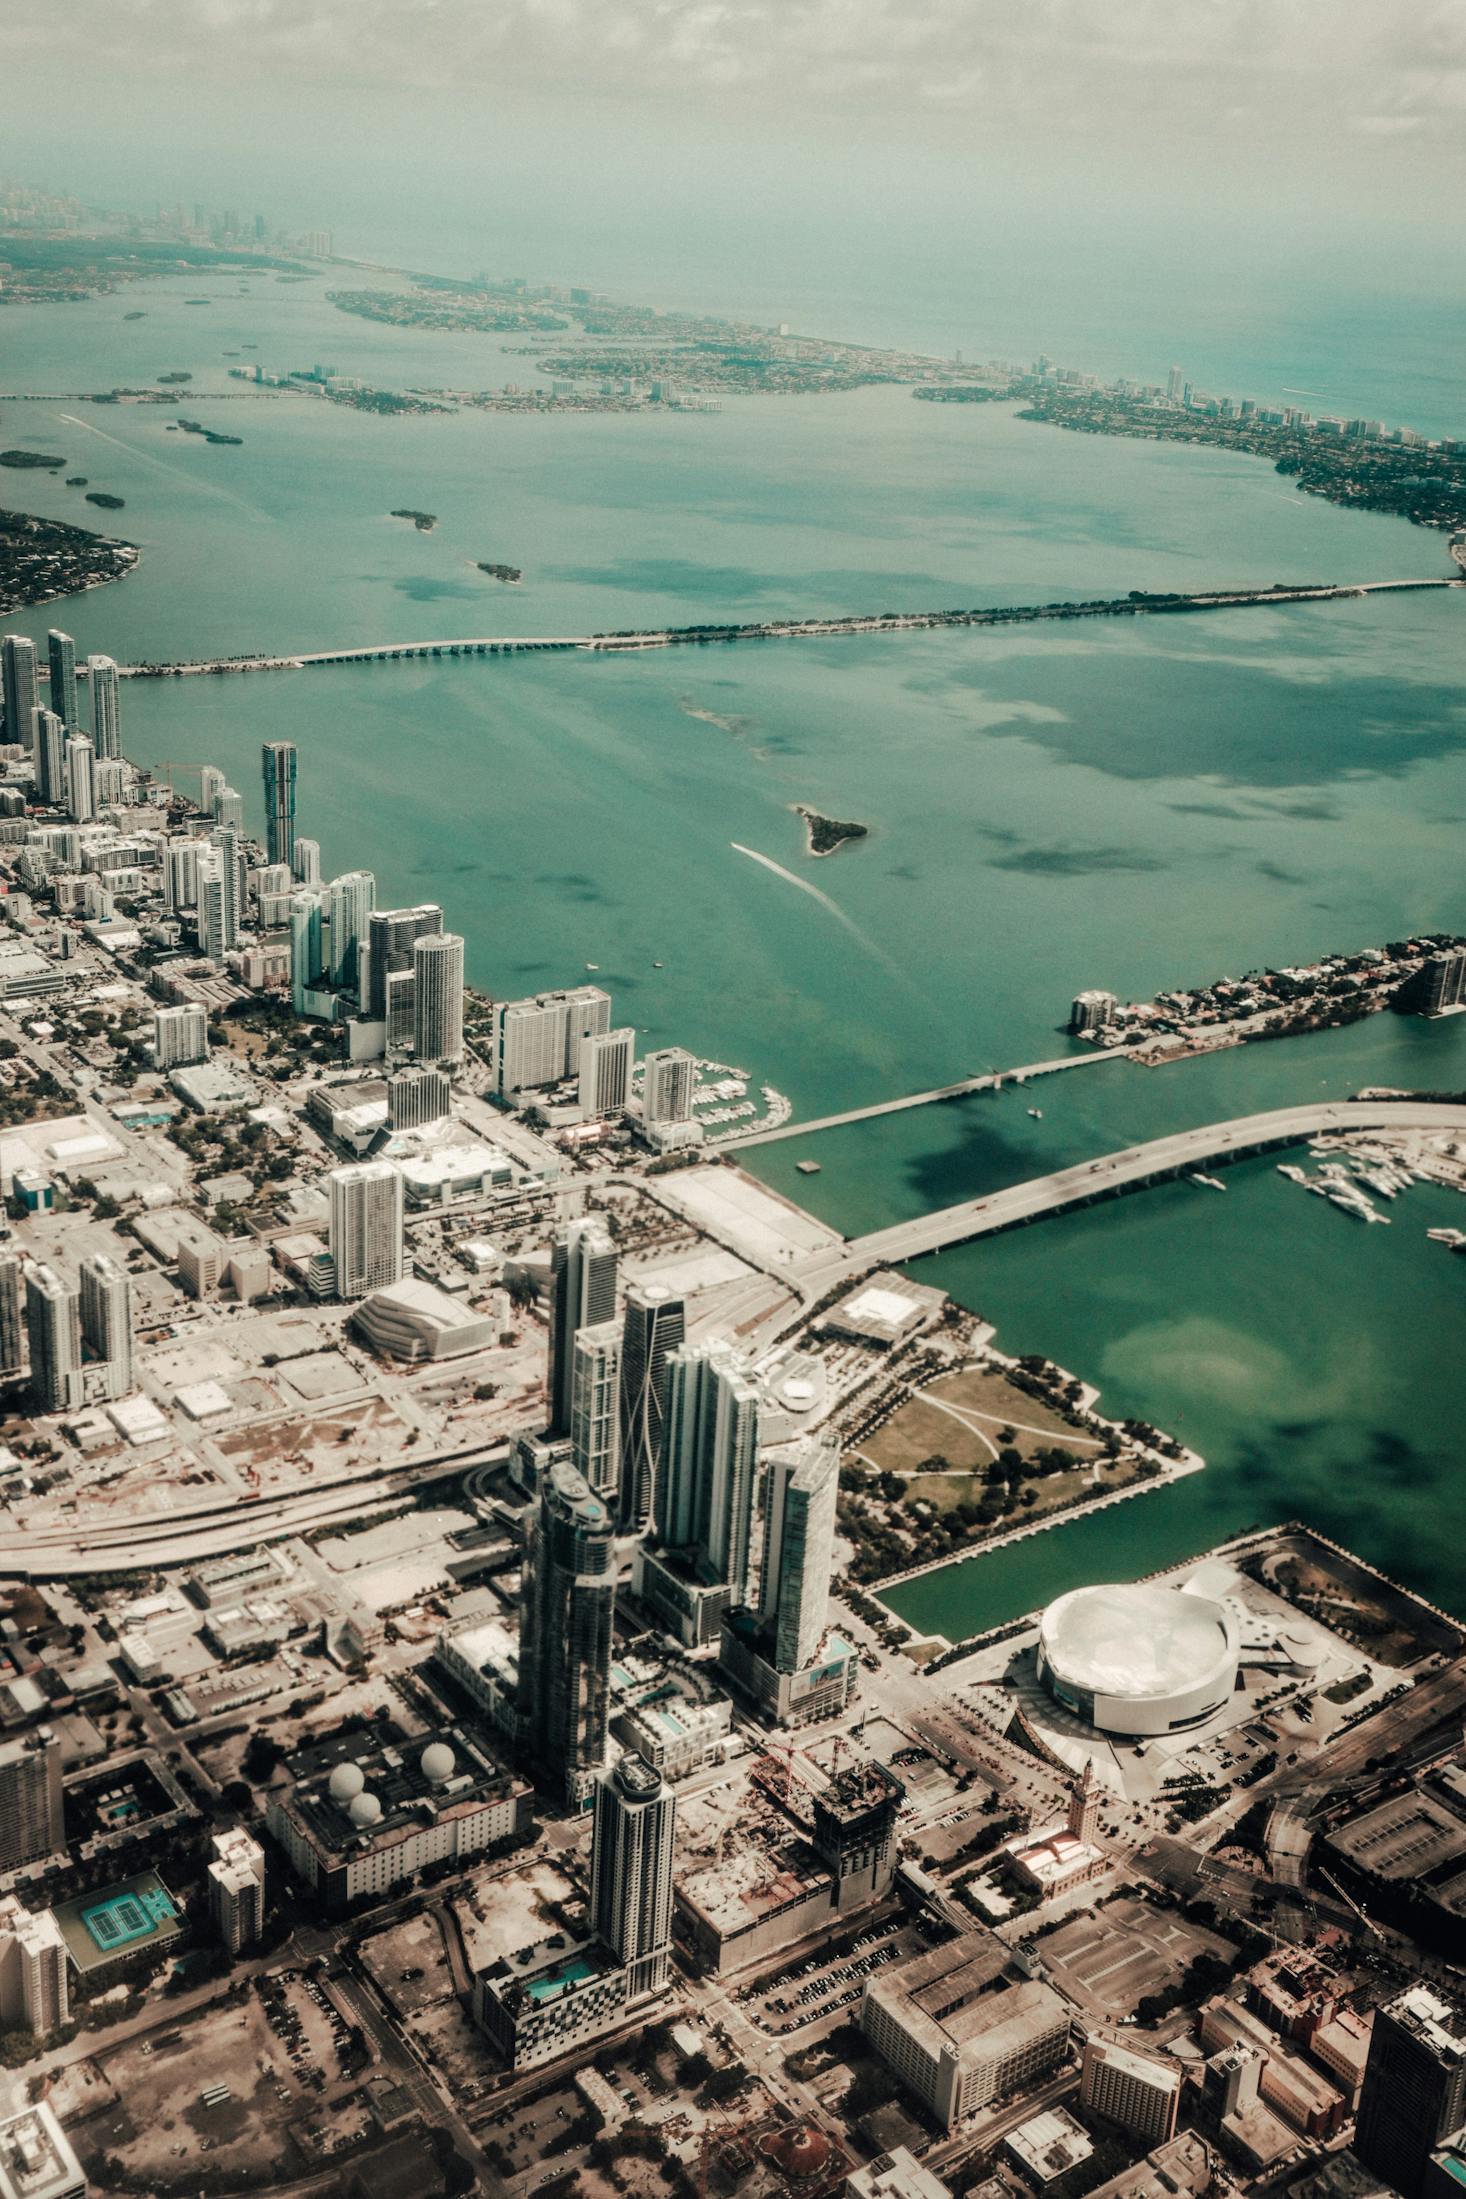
(1037, 1113)
(1446, 1236)
(1294, 1175)
(1211, 1183)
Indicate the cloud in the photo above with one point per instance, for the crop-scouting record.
(1077, 62)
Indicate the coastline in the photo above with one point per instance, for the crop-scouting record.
(45, 560)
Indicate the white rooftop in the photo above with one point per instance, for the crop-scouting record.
(203, 1400)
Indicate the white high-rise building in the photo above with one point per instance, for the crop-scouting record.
(35, 1992)
(81, 778)
(53, 1332)
(20, 687)
(216, 937)
(229, 840)
(305, 861)
(106, 706)
(583, 1266)
(670, 1079)
(390, 936)
(347, 904)
(229, 808)
(36, 2158)
(269, 879)
(115, 783)
(181, 873)
(537, 1042)
(237, 1889)
(605, 1071)
(801, 1483)
(366, 1227)
(307, 947)
(707, 1490)
(106, 1320)
(595, 1373)
(632, 1838)
(437, 969)
(1093, 1010)
(47, 744)
(212, 783)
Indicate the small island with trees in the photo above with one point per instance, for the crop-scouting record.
(210, 435)
(423, 521)
(823, 835)
(507, 573)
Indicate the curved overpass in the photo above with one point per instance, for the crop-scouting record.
(220, 1523)
(1137, 1165)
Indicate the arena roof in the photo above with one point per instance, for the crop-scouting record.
(1134, 1640)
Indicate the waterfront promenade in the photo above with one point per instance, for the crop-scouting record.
(1136, 605)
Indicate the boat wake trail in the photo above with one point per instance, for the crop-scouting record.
(161, 465)
(792, 879)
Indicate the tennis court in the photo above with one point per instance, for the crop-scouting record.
(122, 1918)
(113, 1923)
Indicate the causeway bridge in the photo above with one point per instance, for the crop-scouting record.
(991, 1080)
(1136, 605)
(1177, 1154)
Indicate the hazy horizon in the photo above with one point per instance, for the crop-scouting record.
(1222, 182)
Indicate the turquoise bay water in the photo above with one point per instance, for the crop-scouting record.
(1129, 803)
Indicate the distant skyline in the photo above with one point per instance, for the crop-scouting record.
(1340, 121)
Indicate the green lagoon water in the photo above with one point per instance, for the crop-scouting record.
(1130, 804)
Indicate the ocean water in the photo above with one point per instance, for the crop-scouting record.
(1127, 803)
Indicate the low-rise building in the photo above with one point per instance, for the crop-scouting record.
(483, 1661)
(36, 2159)
(895, 2175)
(956, 2032)
(1049, 2145)
(413, 1321)
(821, 1689)
(364, 1812)
(34, 1987)
(1300, 2094)
(548, 2000)
(1137, 2092)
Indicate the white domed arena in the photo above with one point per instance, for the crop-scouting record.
(1133, 1659)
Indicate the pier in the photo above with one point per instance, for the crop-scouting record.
(1138, 604)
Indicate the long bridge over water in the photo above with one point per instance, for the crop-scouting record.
(1135, 605)
(988, 1080)
(1177, 1154)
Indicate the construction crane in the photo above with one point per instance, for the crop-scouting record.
(718, 2137)
(783, 1766)
(165, 770)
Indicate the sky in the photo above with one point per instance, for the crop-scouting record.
(1213, 143)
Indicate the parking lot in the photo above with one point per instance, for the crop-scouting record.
(253, 2083)
(315, 2036)
(1108, 1962)
(828, 1983)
